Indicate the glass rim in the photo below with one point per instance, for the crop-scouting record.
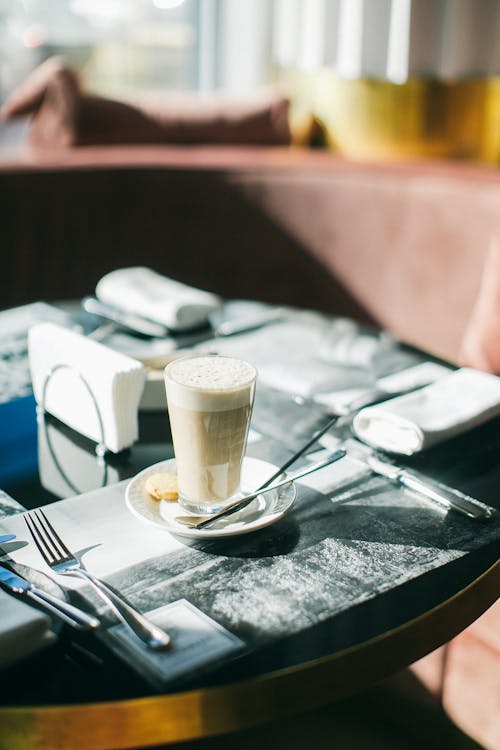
(229, 389)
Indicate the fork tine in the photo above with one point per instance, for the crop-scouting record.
(52, 535)
(50, 544)
(35, 534)
(45, 537)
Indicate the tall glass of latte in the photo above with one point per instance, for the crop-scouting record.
(210, 401)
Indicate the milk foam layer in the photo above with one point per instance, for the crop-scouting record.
(209, 383)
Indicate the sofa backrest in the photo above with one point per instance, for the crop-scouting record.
(401, 245)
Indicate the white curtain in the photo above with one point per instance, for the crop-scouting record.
(235, 50)
(243, 41)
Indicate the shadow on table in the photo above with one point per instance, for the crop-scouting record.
(280, 539)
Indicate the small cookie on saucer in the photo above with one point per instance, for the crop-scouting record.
(162, 486)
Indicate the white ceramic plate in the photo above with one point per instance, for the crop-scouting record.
(263, 511)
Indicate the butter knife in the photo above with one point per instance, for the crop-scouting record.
(6, 537)
(122, 319)
(445, 496)
(67, 612)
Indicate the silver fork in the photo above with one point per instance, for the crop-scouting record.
(63, 562)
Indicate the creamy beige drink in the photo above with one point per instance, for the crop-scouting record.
(210, 402)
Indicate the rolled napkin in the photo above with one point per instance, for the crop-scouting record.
(23, 630)
(115, 381)
(144, 292)
(452, 405)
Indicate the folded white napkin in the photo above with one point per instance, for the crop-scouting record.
(452, 405)
(23, 630)
(144, 292)
(115, 380)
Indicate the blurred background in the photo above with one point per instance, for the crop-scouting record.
(368, 78)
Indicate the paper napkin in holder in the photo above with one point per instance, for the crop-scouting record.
(452, 405)
(144, 292)
(88, 385)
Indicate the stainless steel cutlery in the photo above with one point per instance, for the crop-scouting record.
(63, 562)
(200, 522)
(339, 416)
(70, 614)
(136, 324)
(439, 493)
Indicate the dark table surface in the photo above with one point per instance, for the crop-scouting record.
(80, 669)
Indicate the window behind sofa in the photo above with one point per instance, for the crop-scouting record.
(127, 46)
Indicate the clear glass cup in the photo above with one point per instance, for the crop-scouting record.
(210, 401)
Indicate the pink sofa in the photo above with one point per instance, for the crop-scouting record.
(403, 245)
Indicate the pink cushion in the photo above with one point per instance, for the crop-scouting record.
(481, 342)
(63, 115)
(464, 676)
(28, 96)
(471, 692)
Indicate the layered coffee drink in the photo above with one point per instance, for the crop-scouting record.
(210, 401)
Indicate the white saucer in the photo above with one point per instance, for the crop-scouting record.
(263, 511)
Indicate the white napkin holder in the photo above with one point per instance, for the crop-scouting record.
(94, 390)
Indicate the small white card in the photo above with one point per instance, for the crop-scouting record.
(197, 640)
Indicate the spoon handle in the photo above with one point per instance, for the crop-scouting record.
(244, 501)
(319, 433)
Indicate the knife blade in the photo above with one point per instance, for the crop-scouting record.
(445, 496)
(70, 614)
(7, 537)
(123, 319)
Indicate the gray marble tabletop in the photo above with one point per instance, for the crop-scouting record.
(351, 539)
